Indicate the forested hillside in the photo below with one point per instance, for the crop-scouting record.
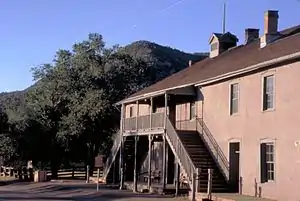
(68, 115)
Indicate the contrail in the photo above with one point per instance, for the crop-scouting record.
(172, 6)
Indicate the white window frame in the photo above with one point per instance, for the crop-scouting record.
(264, 75)
(273, 142)
(236, 98)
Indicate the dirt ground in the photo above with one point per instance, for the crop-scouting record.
(58, 191)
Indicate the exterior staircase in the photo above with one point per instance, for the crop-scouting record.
(197, 151)
(201, 158)
(129, 143)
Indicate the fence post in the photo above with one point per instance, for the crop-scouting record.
(209, 185)
(87, 174)
(98, 175)
(73, 172)
(194, 187)
(198, 171)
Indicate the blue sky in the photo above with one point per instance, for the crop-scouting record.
(32, 30)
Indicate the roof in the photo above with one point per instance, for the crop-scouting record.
(228, 37)
(232, 60)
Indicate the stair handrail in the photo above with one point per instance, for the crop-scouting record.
(113, 152)
(213, 147)
(185, 160)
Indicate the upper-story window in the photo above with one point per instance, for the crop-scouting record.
(214, 46)
(234, 98)
(131, 111)
(192, 110)
(268, 92)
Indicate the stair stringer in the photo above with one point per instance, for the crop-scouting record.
(108, 167)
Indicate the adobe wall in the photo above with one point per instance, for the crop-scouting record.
(252, 125)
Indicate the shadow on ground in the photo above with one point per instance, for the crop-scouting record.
(84, 192)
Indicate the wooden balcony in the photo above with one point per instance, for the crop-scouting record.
(143, 125)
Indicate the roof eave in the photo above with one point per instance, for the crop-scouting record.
(152, 94)
(249, 69)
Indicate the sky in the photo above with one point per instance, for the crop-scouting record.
(33, 30)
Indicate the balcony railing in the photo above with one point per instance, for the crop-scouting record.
(188, 125)
(147, 122)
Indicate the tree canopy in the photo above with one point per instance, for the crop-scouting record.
(69, 114)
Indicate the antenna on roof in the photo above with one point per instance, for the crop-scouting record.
(224, 17)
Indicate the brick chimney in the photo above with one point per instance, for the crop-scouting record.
(270, 27)
(251, 35)
(271, 22)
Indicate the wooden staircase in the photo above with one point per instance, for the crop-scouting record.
(129, 159)
(202, 158)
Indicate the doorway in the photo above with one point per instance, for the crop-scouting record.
(234, 165)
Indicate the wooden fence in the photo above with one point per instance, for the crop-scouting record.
(67, 173)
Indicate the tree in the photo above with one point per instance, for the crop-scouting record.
(8, 145)
(73, 103)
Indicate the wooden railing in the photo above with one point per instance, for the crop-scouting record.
(187, 125)
(213, 147)
(113, 153)
(146, 122)
(180, 151)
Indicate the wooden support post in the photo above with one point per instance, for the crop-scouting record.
(194, 186)
(166, 110)
(114, 172)
(87, 174)
(177, 178)
(149, 161)
(167, 162)
(137, 115)
(164, 162)
(135, 164)
(164, 142)
(121, 161)
(98, 176)
(198, 171)
(209, 185)
(122, 164)
(151, 110)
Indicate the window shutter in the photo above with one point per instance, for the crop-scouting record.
(263, 163)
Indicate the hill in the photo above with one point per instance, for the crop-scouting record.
(165, 61)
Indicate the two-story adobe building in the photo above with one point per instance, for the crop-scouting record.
(236, 112)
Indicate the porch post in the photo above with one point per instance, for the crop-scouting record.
(150, 113)
(164, 142)
(121, 162)
(177, 177)
(135, 175)
(137, 114)
(150, 137)
(166, 112)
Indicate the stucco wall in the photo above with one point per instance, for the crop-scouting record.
(251, 125)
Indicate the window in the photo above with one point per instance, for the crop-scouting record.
(192, 110)
(234, 98)
(131, 111)
(268, 92)
(267, 162)
(214, 46)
